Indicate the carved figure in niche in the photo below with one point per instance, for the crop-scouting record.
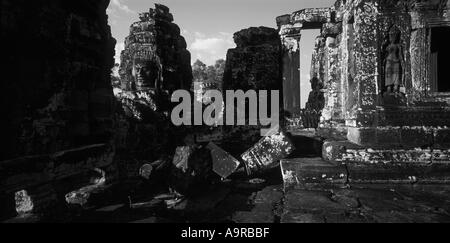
(394, 62)
(146, 75)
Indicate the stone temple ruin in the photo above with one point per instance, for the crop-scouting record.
(382, 68)
(378, 111)
(155, 56)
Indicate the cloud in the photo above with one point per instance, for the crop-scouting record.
(209, 49)
(199, 35)
(121, 6)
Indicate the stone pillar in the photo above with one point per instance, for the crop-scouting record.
(366, 56)
(332, 110)
(419, 55)
(291, 37)
(366, 73)
(347, 68)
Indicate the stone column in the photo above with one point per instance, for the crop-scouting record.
(366, 73)
(332, 109)
(291, 37)
(419, 55)
(366, 50)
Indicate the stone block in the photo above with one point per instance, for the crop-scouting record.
(146, 171)
(224, 164)
(362, 136)
(267, 153)
(181, 158)
(416, 137)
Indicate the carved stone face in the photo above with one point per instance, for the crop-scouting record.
(144, 74)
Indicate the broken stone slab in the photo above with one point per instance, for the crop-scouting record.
(267, 153)
(307, 172)
(181, 158)
(224, 164)
(146, 171)
(24, 203)
(84, 195)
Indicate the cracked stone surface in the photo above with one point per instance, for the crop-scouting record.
(379, 203)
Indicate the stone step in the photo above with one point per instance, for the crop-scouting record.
(398, 172)
(345, 151)
(303, 172)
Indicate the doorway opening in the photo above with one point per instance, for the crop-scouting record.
(440, 51)
(307, 45)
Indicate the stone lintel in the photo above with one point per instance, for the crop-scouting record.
(312, 15)
(290, 30)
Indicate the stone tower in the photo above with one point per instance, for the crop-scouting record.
(155, 56)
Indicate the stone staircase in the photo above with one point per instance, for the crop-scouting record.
(344, 163)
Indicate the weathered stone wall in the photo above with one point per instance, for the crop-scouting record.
(56, 76)
(254, 63)
(57, 99)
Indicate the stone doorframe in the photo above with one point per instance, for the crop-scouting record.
(424, 17)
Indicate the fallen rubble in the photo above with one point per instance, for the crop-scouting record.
(267, 153)
(224, 164)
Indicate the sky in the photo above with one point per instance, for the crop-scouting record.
(208, 25)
